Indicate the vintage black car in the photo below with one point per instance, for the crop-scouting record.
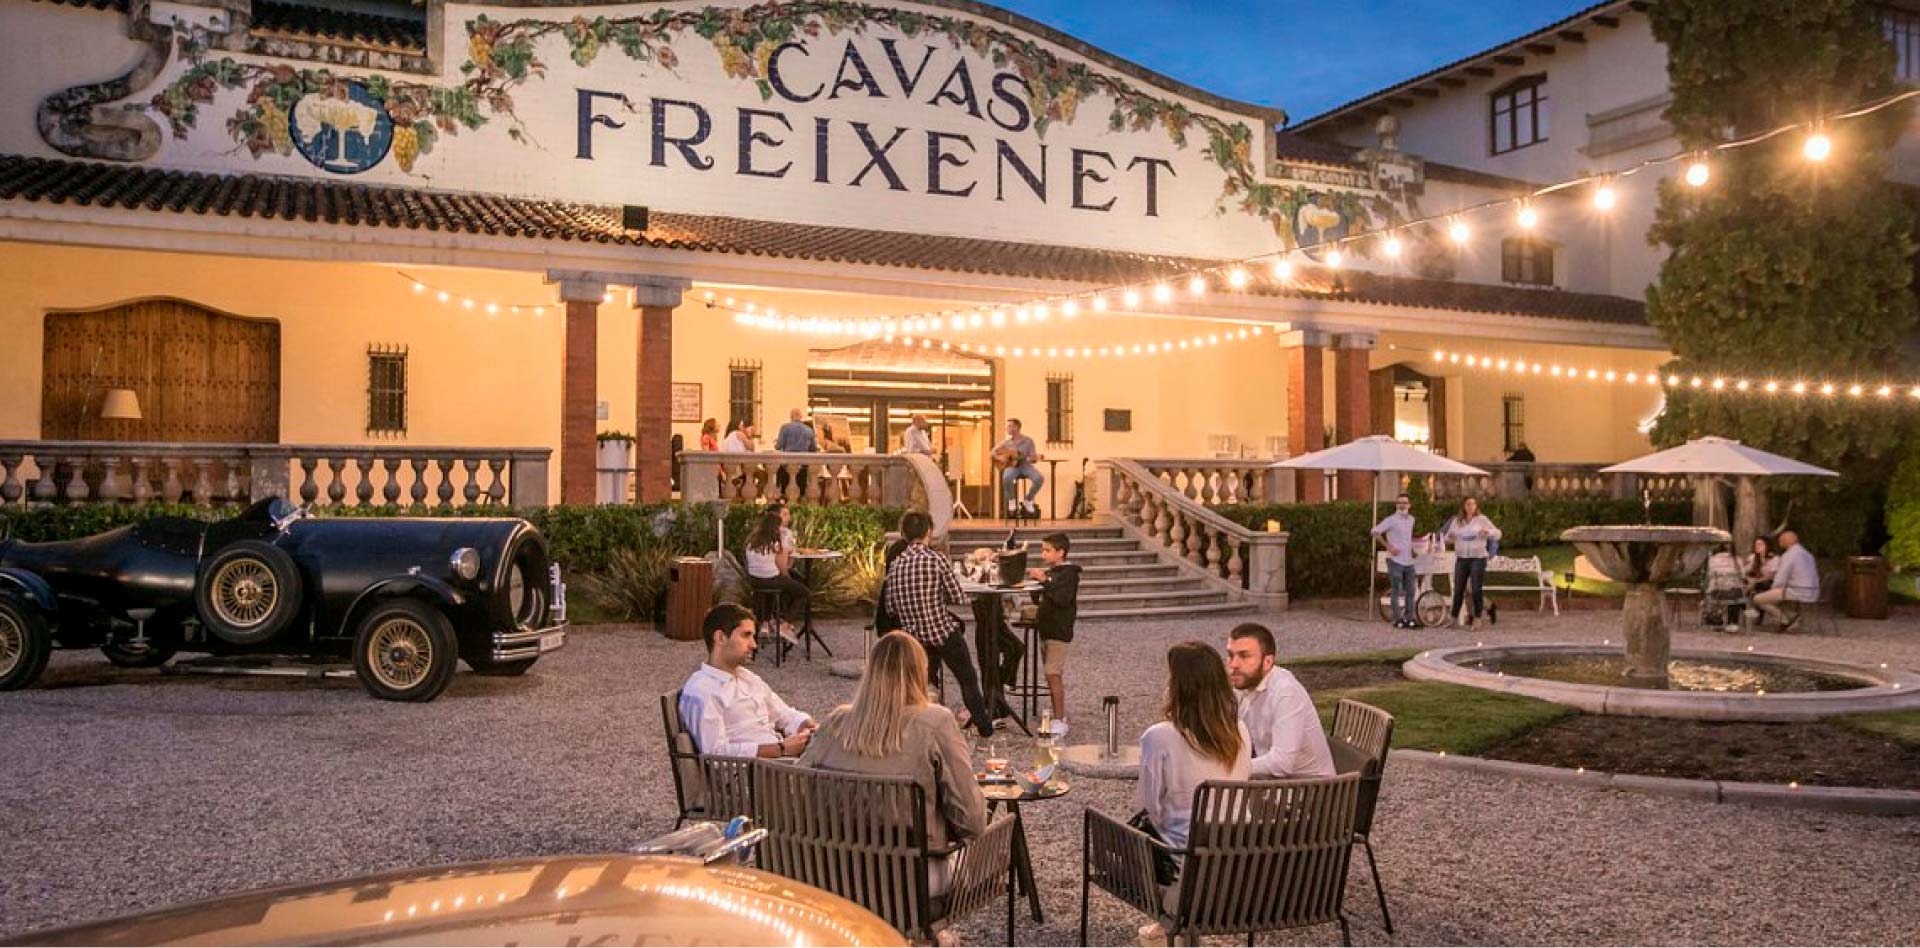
(405, 599)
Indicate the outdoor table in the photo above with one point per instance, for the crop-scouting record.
(989, 616)
(807, 635)
(1004, 792)
(1053, 483)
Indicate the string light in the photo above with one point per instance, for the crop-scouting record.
(1527, 217)
(1817, 146)
(1603, 197)
(1720, 385)
(1282, 270)
(1458, 231)
(1392, 248)
(1334, 258)
(1698, 173)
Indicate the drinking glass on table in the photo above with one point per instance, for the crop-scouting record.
(996, 760)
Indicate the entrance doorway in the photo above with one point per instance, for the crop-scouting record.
(872, 390)
(1411, 406)
(197, 375)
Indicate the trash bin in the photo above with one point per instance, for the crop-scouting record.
(1866, 587)
(689, 595)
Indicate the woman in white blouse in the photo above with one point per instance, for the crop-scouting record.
(1201, 739)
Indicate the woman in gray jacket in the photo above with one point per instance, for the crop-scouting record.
(1468, 533)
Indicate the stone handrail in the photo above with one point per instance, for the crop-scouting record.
(1554, 481)
(1218, 482)
(326, 475)
(1250, 564)
(874, 480)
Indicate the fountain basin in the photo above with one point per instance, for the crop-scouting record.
(1880, 689)
(1645, 554)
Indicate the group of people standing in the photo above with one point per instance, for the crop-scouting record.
(1474, 539)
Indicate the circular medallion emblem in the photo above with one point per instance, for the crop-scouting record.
(342, 135)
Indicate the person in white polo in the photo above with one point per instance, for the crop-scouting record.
(1288, 740)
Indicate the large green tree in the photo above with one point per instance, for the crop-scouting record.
(1780, 267)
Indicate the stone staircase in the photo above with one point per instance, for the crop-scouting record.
(1120, 578)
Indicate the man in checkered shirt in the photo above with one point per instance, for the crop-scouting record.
(920, 586)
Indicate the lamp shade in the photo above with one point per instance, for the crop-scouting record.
(121, 403)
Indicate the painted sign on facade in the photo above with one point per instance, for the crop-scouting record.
(936, 118)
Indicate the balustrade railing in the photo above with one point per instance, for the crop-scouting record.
(325, 475)
(1547, 481)
(1247, 562)
(859, 479)
(1218, 482)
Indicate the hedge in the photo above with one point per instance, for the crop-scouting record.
(1329, 543)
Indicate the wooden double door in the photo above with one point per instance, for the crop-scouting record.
(200, 375)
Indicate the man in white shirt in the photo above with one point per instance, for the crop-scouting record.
(727, 709)
(1797, 579)
(1288, 740)
(917, 441)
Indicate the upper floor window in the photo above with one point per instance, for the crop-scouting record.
(1527, 260)
(1903, 31)
(1060, 410)
(1518, 116)
(743, 393)
(386, 390)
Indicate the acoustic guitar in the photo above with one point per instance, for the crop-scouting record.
(1005, 457)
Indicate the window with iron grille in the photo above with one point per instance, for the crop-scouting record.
(1060, 410)
(1513, 421)
(743, 393)
(1518, 114)
(1903, 31)
(387, 390)
(1527, 260)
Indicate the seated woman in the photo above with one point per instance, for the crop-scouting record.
(769, 558)
(1759, 567)
(891, 728)
(1201, 739)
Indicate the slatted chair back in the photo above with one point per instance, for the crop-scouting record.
(1267, 855)
(1361, 737)
(683, 758)
(861, 837)
(729, 783)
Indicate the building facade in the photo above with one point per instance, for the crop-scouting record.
(445, 241)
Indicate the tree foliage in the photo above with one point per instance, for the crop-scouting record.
(1783, 268)
(1903, 506)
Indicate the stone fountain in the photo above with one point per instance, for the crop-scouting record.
(1644, 558)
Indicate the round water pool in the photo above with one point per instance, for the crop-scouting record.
(1725, 676)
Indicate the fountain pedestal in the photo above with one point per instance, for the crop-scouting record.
(1645, 558)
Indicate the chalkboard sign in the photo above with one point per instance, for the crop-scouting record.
(1119, 419)
(686, 401)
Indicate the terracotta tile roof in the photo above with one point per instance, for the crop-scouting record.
(1292, 146)
(367, 29)
(119, 6)
(271, 197)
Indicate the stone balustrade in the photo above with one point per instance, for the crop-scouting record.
(1544, 481)
(1218, 482)
(875, 480)
(324, 475)
(1250, 564)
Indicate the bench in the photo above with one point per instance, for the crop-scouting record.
(1524, 575)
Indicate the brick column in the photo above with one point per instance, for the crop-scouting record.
(653, 394)
(1353, 404)
(579, 392)
(1306, 406)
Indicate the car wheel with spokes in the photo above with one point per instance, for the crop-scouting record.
(248, 592)
(25, 644)
(405, 650)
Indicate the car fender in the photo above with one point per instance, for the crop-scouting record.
(26, 585)
(418, 587)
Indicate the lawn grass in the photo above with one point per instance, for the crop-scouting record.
(1902, 726)
(1437, 717)
(1559, 559)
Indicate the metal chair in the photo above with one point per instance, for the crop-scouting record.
(705, 786)
(864, 838)
(769, 610)
(1261, 856)
(1361, 736)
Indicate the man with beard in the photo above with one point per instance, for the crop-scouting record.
(1279, 716)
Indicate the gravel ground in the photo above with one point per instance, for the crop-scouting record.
(125, 791)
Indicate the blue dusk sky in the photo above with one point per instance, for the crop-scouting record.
(1303, 56)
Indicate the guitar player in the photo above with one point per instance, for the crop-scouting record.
(1014, 457)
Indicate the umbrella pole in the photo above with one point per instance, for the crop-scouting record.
(1372, 602)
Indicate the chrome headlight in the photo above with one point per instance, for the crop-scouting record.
(465, 563)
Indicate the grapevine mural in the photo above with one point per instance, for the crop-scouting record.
(346, 124)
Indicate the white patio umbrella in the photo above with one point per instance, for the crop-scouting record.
(1377, 454)
(1713, 456)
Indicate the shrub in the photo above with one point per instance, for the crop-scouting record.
(1328, 544)
(1903, 506)
(633, 585)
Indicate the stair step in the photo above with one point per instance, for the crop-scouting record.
(1145, 599)
(1167, 583)
(954, 531)
(962, 545)
(1186, 611)
(1094, 571)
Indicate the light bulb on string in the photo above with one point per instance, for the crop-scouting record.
(1197, 285)
(1392, 247)
(1099, 304)
(1130, 299)
(1698, 172)
(1237, 278)
(1282, 269)
(1070, 309)
(1817, 146)
(1334, 257)
(1603, 197)
(1162, 292)
(1527, 217)
(1458, 230)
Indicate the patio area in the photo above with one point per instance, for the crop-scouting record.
(128, 791)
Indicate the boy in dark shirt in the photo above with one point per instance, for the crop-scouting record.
(1059, 600)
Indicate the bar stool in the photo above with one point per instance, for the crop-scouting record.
(1013, 505)
(769, 607)
(1033, 682)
